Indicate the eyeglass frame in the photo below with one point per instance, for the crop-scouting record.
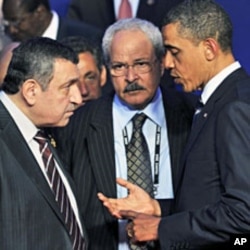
(126, 66)
(16, 24)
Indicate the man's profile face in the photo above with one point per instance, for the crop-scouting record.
(131, 50)
(56, 104)
(184, 59)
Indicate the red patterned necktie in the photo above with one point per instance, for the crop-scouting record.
(125, 10)
(60, 192)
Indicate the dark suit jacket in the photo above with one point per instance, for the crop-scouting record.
(213, 189)
(77, 28)
(29, 215)
(90, 149)
(101, 13)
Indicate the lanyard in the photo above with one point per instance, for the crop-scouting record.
(156, 156)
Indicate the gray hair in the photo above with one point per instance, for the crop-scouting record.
(151, 31)
(202, 19)
(35, 59)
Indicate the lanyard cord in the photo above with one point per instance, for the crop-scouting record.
(156, 156)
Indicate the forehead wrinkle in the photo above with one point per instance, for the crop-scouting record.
(129, 44)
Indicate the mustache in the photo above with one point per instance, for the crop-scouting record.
(133, 87)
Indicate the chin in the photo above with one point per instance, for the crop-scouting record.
(62, 123)
(137, 105)
(138, 102)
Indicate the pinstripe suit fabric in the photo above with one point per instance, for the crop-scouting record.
(29, 215)
(89, 150)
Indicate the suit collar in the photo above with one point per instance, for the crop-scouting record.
(106, 11)
(17, 146)
(207, 112)
(102, 114)
(215, 82)
(225, 87)
(24, 124)
(101, 145)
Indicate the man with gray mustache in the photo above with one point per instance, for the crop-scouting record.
(94, 144)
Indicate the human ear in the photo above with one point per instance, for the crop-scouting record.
(103, 76)
(211, 48)
(29, 90)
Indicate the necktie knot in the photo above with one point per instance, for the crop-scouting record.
(41, 138)
(40, 135)
(138, 121)
(198, 107)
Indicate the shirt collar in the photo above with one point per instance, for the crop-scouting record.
(51, 31)
(213, 84)
(154, 110)
(25, 125)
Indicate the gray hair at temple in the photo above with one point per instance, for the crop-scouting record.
(202, 19)
(35, 59)
(149, 29)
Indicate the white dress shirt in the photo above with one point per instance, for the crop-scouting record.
(52, 29)
(215, 82)
(29, 130)
(122, 116)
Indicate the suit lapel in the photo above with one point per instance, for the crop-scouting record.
(106, 11)
(13, 139)
(178, 127)
(145, 8)
(210, 107)
(100, 141)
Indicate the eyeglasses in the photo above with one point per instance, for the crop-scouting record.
(139, 67)
(15, 23)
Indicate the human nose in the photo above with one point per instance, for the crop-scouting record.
(168, 61)
(75, 95)
(11, 29)
(84, 88)
(130, 73)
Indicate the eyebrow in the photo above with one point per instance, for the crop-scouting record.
(135, 60)
(170, 47)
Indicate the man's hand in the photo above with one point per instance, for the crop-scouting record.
(142, 227)
(138, 200)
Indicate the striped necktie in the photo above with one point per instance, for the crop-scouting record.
(60, 192)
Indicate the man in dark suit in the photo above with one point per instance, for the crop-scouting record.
(212, 199)
(32, 18)
(103, 13)
(95, 147)
(40, 90)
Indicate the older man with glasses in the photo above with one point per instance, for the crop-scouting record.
(137, 133)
